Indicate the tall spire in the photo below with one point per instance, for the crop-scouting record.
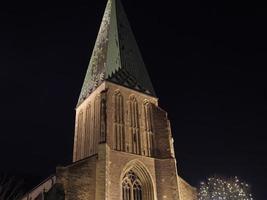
(116, 56)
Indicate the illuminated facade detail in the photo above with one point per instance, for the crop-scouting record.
(103, 117)
(88, 132)
(96, 121)
(119, 126)
(131, 187)
(149, 129)
(79, 136)
(136, 182)
(134, 125)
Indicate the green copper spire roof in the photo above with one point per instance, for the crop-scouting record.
(116, 56)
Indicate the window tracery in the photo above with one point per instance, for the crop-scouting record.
(88, 132)
(119, 131)
(149, 128)
(134, 125)
(79, 136)
(131, 187)
(96, 128)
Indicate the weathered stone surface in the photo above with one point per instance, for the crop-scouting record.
(111, 164)
(79, 179)
(187, 192)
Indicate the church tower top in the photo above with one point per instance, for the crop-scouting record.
(116, 56)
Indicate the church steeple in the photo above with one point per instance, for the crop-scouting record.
(116, 56)
(123, 146)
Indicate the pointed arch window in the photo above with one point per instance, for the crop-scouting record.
(134, 125)
(79, 136)
(149, 128)
(96, 127)
(119, 130)
(88, 132)
(131, 187)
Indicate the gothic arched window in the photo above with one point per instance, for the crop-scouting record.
(96, 125)
(79, 136)
(131, 187)
(88, 132)
(149, 128)
(119, 132)
(134, 125)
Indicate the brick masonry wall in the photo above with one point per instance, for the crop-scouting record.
(99, 177)
(162, 133)
(187, 192)
(167, 185)
(126, 93)
(117, 163)
(162, 172)
(79, 179)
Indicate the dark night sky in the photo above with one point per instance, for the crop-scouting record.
(207, 61)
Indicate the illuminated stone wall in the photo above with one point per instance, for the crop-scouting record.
(78, 179)
(158, 166)
(98, 174)
(187, 192)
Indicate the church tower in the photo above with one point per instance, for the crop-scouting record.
(123, 146)
(121, 134)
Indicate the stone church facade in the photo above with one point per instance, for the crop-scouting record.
(123, 146)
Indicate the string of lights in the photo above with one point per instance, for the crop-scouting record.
(217, 188)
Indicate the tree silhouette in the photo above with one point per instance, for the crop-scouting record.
(10, 188)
